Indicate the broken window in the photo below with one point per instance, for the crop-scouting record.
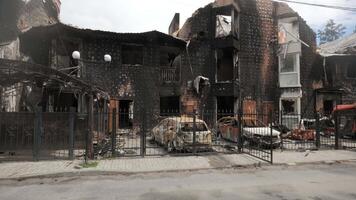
(351, 70)
(288, 31)
(223, 26)
(169, 105)
(328, 106)
(167, 59)
(125, 114)
(63, 51)
(289, 107)
(289, 70)
(288, 63)
(132, 55)
(225, 65)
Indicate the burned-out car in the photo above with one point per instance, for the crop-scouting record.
(254, 131)
(176, 133)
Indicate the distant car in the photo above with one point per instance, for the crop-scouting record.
(176, 133)
(254, 131)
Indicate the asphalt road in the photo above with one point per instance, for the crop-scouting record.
(314, 182)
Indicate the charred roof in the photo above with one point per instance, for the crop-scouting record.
(151, 37)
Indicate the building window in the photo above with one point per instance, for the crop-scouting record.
(288, 63)
(224, 65)
(351, 70)
(170, 106)
(290, 109)
(132, 55)
(223, 26)
(227, 23)
(289, 70)
(126, 111)
(1, 53)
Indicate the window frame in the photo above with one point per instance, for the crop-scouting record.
(295, 72)
(351, 64)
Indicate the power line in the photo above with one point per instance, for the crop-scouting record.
(321, 5)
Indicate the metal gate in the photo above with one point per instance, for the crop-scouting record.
(259, 137)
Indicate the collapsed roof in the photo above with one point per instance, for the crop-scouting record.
(341, 47)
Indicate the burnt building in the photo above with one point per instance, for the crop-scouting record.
(143, 68)
(257, 54)
(338, 67)
(17, 17)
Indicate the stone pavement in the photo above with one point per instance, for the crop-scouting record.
(16, 170)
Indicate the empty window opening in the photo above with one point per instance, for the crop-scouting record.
(60, 102)
(132, 55)
(64, 57)
(169, 105)
(167, 59)
(125, 114)
(289, 107)
(328, 106)
(223, 25)
(225, 65)
(225, 106)
(351, 70)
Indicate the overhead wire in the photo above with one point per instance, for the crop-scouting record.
(352, 9)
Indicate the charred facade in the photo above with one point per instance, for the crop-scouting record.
(258, 57)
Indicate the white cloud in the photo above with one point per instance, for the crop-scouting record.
(316, 17)
(146, 15)
(127, 16)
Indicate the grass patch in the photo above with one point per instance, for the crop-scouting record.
(89, 165)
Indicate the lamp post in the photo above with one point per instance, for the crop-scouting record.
(81, 100)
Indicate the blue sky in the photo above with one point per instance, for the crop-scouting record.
(146, 15)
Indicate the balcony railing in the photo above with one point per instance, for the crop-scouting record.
(170, 75)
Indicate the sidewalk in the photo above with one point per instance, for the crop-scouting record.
(17, 170)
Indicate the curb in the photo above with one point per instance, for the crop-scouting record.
(122, 173)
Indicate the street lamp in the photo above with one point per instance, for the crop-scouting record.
(107, 58)
(76, 55)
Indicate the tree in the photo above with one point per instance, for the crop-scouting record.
(331, 32)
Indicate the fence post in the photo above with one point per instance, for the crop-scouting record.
(271, 136)
(239, 136)
(143, 134)
(317, 130)
(71, 133)
(337, 133)
(194, 131)
(281, 123)
(37, 134)
(113, 133)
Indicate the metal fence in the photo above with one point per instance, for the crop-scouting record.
(323, 131)
(42, 136)
(28, 136)
(173, 133)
